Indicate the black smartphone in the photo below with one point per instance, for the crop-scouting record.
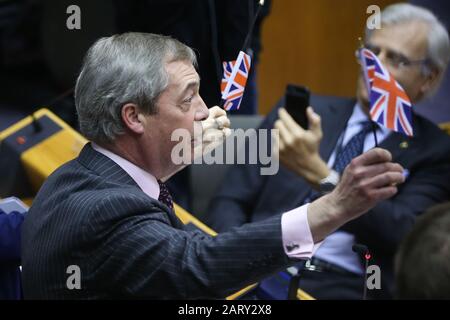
(296, 102)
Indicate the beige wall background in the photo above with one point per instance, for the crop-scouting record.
(312, 43)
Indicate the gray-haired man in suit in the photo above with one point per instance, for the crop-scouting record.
(109, 213)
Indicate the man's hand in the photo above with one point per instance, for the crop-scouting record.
(214, 130)
(367, 180)
(208, 134)
(299, 148)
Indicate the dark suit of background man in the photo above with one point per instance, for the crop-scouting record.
(336, 272)
(109, 212)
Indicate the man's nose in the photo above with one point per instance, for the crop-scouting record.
(202, 111)
(387, 63)
(383, 58)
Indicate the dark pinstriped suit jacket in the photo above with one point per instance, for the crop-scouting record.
(91, 213)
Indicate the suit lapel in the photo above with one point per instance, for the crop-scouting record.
(398, 144)
(104, 166)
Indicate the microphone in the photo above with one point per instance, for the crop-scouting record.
(296, 273)
(293, 284)
(360, 248)
(363, 251)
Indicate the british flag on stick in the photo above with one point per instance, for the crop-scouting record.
(389, 103)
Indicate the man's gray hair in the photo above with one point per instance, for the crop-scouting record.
(124, 68)
(438, 54)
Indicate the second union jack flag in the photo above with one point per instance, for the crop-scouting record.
(389, 103)
(235, 74)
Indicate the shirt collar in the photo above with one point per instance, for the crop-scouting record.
(143, 179)
(359, 116)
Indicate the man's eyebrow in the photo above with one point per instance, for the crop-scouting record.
(191, 85)
(389, 50)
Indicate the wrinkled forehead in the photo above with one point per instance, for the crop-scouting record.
(182, 73)
(408, 38)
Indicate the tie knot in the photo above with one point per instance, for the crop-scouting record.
(366, 126)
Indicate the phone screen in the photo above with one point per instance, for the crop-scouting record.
(297, 100)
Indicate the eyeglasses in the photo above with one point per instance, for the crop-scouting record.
(396, 59)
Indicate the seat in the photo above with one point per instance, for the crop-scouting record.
(445, 126)
(205, 179)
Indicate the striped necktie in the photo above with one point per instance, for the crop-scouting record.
(353, 148)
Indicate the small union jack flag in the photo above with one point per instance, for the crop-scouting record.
(235, 74)
(389, 103)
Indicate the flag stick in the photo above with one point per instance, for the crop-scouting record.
(374, 126)
(374, 130)
(247, 38)
(250, 31)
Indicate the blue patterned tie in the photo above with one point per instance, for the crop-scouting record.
(353, 148)
(164, 195)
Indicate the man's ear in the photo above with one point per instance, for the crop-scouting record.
(431, 81)
(132, 119)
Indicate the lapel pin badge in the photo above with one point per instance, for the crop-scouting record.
(404, 145)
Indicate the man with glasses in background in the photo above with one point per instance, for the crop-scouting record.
(414, 47)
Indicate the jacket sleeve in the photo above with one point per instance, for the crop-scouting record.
(139, 252)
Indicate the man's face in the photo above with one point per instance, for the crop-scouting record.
(179, 107)
(397, 46)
